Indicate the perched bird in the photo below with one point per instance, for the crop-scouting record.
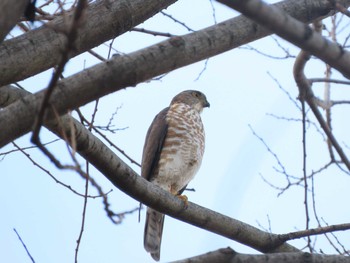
(172, 155)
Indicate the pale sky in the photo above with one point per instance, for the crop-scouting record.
(241, 94)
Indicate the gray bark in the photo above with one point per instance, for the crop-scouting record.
(129, 70)
(227, 255)
(295, 32)
(120, 72)
(11, 12)
(124, 178)
(39, 50)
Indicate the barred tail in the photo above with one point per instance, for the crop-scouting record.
(153, 233)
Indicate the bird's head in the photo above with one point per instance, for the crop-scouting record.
(193, 98)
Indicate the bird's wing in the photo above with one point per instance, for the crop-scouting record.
(153, 144)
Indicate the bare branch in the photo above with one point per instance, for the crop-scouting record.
(83, 215)
(40, 49)
(228, 255)
(84, 120)
(3, 154)
(213, 11)
(314, 231)
(124, 178)
(177, 21)
(22, 150)
(24, 245)
(151, 32)
(294, 31)
(71, 35)
(306, 93)
(286, 52)
(281, 168)
(11, 11)
(341, 8)
(335, 81)
(129, 70)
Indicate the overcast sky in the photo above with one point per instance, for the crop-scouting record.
(242, 92)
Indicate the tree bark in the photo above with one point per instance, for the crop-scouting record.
(120, 72)
(11, 12)
(294, 31)
(40, 49)
(227, 255)
(129, 70)
(124, 178)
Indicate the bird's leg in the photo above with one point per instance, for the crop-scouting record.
(184, 198)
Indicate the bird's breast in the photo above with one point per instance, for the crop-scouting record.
(183, 147)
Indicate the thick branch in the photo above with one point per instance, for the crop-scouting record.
(306, 94)
(40, 49)
(129, 70)
(124, 178)
(294, 31)
(11, 11)
(227, 255)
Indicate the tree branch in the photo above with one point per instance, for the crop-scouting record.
(306, 94)
(124, 178)
(314, 231)
(129, 70)
(294, 31)
(39, 50)
(11, 11)
(228, 255)
(71, 35)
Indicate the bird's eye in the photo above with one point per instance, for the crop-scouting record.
(196, 94)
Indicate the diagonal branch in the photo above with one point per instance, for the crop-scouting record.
(294, 31)
(40, 49)
(131, 69)
(11, 11)
(71, 35)
(314, 231)
(124, 178)
(306, 94)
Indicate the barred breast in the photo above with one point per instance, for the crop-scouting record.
(183, 148)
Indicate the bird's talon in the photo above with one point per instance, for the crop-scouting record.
(184, 198)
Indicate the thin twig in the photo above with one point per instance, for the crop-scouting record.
(83, 214)
(3, 154)
(24, 245)
(213, 11)
(306, 204)
(71, 36)
(153, 33)
(203, 70)
(177, 21)
(96, 55)
(84, 120)
(306, 93)
(22, 150)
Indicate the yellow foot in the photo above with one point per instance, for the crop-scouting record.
(184, 199)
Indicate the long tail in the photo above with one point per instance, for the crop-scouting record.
(152, 238)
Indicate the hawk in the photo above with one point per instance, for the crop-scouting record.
(172, 155)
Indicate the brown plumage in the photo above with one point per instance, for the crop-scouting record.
(172, 155)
